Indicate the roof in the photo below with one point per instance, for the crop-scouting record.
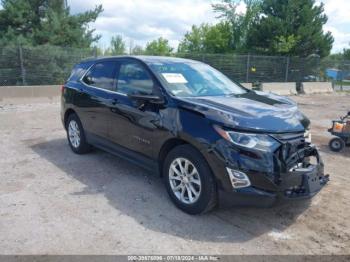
(145, 59)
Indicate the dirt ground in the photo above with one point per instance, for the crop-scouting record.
(55, 202)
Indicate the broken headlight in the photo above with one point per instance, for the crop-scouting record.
(248, 140)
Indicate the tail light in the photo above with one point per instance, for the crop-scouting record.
(62, 89)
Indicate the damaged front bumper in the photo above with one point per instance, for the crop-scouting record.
(304, 179)
(308, 182)
(288, 173)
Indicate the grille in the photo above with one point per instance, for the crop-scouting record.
(291, 143)
(292, 138)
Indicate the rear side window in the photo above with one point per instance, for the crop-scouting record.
(78, 71)
(102, 75)
(134, 79)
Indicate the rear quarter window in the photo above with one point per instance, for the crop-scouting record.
(78, 71)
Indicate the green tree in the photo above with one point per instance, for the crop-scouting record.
(290, 28)
(39, 22)
(158, 47)
(239, 23)
(229, 35)
(98, 51)
(117, 46)
(207, 39)
(217, 38)
(346, 53)
(193, 41)
(284, 45)
(137, 50)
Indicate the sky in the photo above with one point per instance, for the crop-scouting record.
(140, 21)
(338, 12)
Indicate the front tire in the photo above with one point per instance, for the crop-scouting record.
(189, 180)
(76, 135)
(336, 144)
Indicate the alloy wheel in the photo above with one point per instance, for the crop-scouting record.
(74, 133)
(184, 180)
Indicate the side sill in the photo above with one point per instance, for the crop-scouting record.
(138, 159)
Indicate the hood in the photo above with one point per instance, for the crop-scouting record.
(253, 111)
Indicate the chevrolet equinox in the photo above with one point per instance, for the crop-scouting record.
(207, 136)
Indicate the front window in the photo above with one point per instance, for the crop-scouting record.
(134, 79)
(194, 79)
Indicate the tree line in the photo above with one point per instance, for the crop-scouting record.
(267, 27)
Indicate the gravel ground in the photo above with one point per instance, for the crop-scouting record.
(55, 202)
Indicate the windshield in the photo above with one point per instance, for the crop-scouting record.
(185, 79)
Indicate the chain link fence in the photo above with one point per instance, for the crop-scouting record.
(44, 65)
(254, 68)
(336, 70)
(38, 65)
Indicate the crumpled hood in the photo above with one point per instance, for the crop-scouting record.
(252, 111)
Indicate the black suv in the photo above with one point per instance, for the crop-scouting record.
(208, 137)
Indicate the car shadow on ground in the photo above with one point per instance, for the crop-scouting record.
(142, 196)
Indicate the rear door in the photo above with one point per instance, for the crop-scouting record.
(97, 85)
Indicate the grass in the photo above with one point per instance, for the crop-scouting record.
(345, 83)
(343, 92)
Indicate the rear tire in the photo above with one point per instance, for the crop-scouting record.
(76, 135)
(336, 144)
(189, 180)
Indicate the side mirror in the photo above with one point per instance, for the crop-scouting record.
(154, 99)
(349, 113)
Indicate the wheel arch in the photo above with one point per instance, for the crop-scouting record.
(171, 144)
(68, 112)
(166, 148)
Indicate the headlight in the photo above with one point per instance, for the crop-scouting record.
(256, 141)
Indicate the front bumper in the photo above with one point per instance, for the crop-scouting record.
(301, 185)
(273, 177)
(304, 182)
